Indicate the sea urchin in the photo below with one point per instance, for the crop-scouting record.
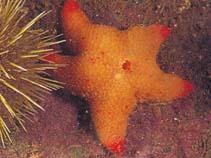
(23, 79)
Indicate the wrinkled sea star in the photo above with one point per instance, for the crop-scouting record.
(113, 70)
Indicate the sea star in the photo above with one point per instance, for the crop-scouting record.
(113, 70)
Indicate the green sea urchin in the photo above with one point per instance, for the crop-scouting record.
(23, 79)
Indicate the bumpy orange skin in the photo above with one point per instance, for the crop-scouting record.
(113, 70)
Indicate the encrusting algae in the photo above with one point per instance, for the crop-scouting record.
(23, 79)
(113, 70)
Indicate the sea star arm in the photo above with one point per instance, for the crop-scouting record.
(84, 37)
(153, 85)
(146, 40)
(110, 124)
(110, 111)
(75, 25)
(164, 88)
(68, 72)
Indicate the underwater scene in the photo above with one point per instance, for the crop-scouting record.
(105, 79)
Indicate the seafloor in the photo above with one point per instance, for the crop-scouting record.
(183, 127)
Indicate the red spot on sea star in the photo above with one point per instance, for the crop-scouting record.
(126, 65)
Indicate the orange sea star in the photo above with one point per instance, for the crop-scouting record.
(113, 70)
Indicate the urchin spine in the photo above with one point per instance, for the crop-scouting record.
(23, 78)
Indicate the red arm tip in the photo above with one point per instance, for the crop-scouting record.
(187, 88)
(164, 31)
(116, 147)
(70, 6)
(51, 58)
